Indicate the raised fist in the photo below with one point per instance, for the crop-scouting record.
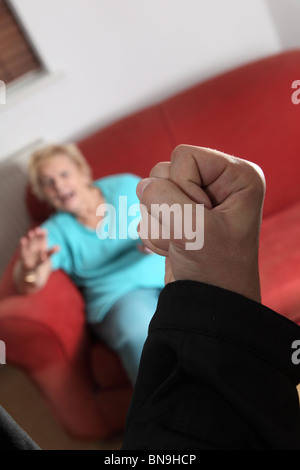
(231, 191)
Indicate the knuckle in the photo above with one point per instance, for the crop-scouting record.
(156, 194)
(256, 177)
(160, 170)
(179, 152)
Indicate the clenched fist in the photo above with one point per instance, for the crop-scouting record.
(231, 191)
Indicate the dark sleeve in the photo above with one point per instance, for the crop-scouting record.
(12, 437)
(216, 373)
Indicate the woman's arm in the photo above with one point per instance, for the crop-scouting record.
(33, 267)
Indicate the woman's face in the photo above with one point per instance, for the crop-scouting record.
(62, 182)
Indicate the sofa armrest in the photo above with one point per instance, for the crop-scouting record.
(45, 336)
(42, 328)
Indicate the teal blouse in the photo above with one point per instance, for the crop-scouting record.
(105, 263)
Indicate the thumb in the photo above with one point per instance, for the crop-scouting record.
(45, 255)
(53, 250)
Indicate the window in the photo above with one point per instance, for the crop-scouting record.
(17, 56)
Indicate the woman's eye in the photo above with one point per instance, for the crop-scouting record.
(46, 182)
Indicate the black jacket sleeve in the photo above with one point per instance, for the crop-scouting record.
(216, 373)
(12, 436)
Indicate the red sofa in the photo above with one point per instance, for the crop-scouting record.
(247, 112)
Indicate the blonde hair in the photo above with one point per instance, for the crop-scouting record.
(41, 155)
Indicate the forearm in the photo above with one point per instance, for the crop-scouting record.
(30, 281)
(216, 372)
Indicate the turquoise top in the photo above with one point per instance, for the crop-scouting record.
(105, 263)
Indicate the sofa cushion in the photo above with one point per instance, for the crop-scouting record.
(106, 368)
(132, 144)
(247, 112)
(280, 262)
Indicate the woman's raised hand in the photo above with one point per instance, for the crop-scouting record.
(33, 249)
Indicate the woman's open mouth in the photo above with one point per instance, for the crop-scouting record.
(65, 198)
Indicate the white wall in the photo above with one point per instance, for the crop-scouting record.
(117, 56)
(286, 17)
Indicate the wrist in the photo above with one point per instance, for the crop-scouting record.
(239, 274)
(30, 278)
(29, 275)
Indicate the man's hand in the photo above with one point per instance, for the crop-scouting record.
(232, 192)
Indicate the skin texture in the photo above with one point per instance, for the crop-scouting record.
(232, 191)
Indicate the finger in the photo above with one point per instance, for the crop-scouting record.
(42, 229)
(45, 254)
(153, 192)
(25, 253)
(52, 250)
(41, 232)
(37, 239)
(219, 175)
(30, 234)
(36, 231)
(192, 171)
(23, 246)
(168, 214)
(23, 241)
(42, 240)
(143, 248)
(34, 241)
(161, 170)
(153, 243)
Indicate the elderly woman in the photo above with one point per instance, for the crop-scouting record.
(119, 280)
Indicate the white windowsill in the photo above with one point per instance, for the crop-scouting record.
(28, 85)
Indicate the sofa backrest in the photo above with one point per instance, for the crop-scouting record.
(247, 112)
